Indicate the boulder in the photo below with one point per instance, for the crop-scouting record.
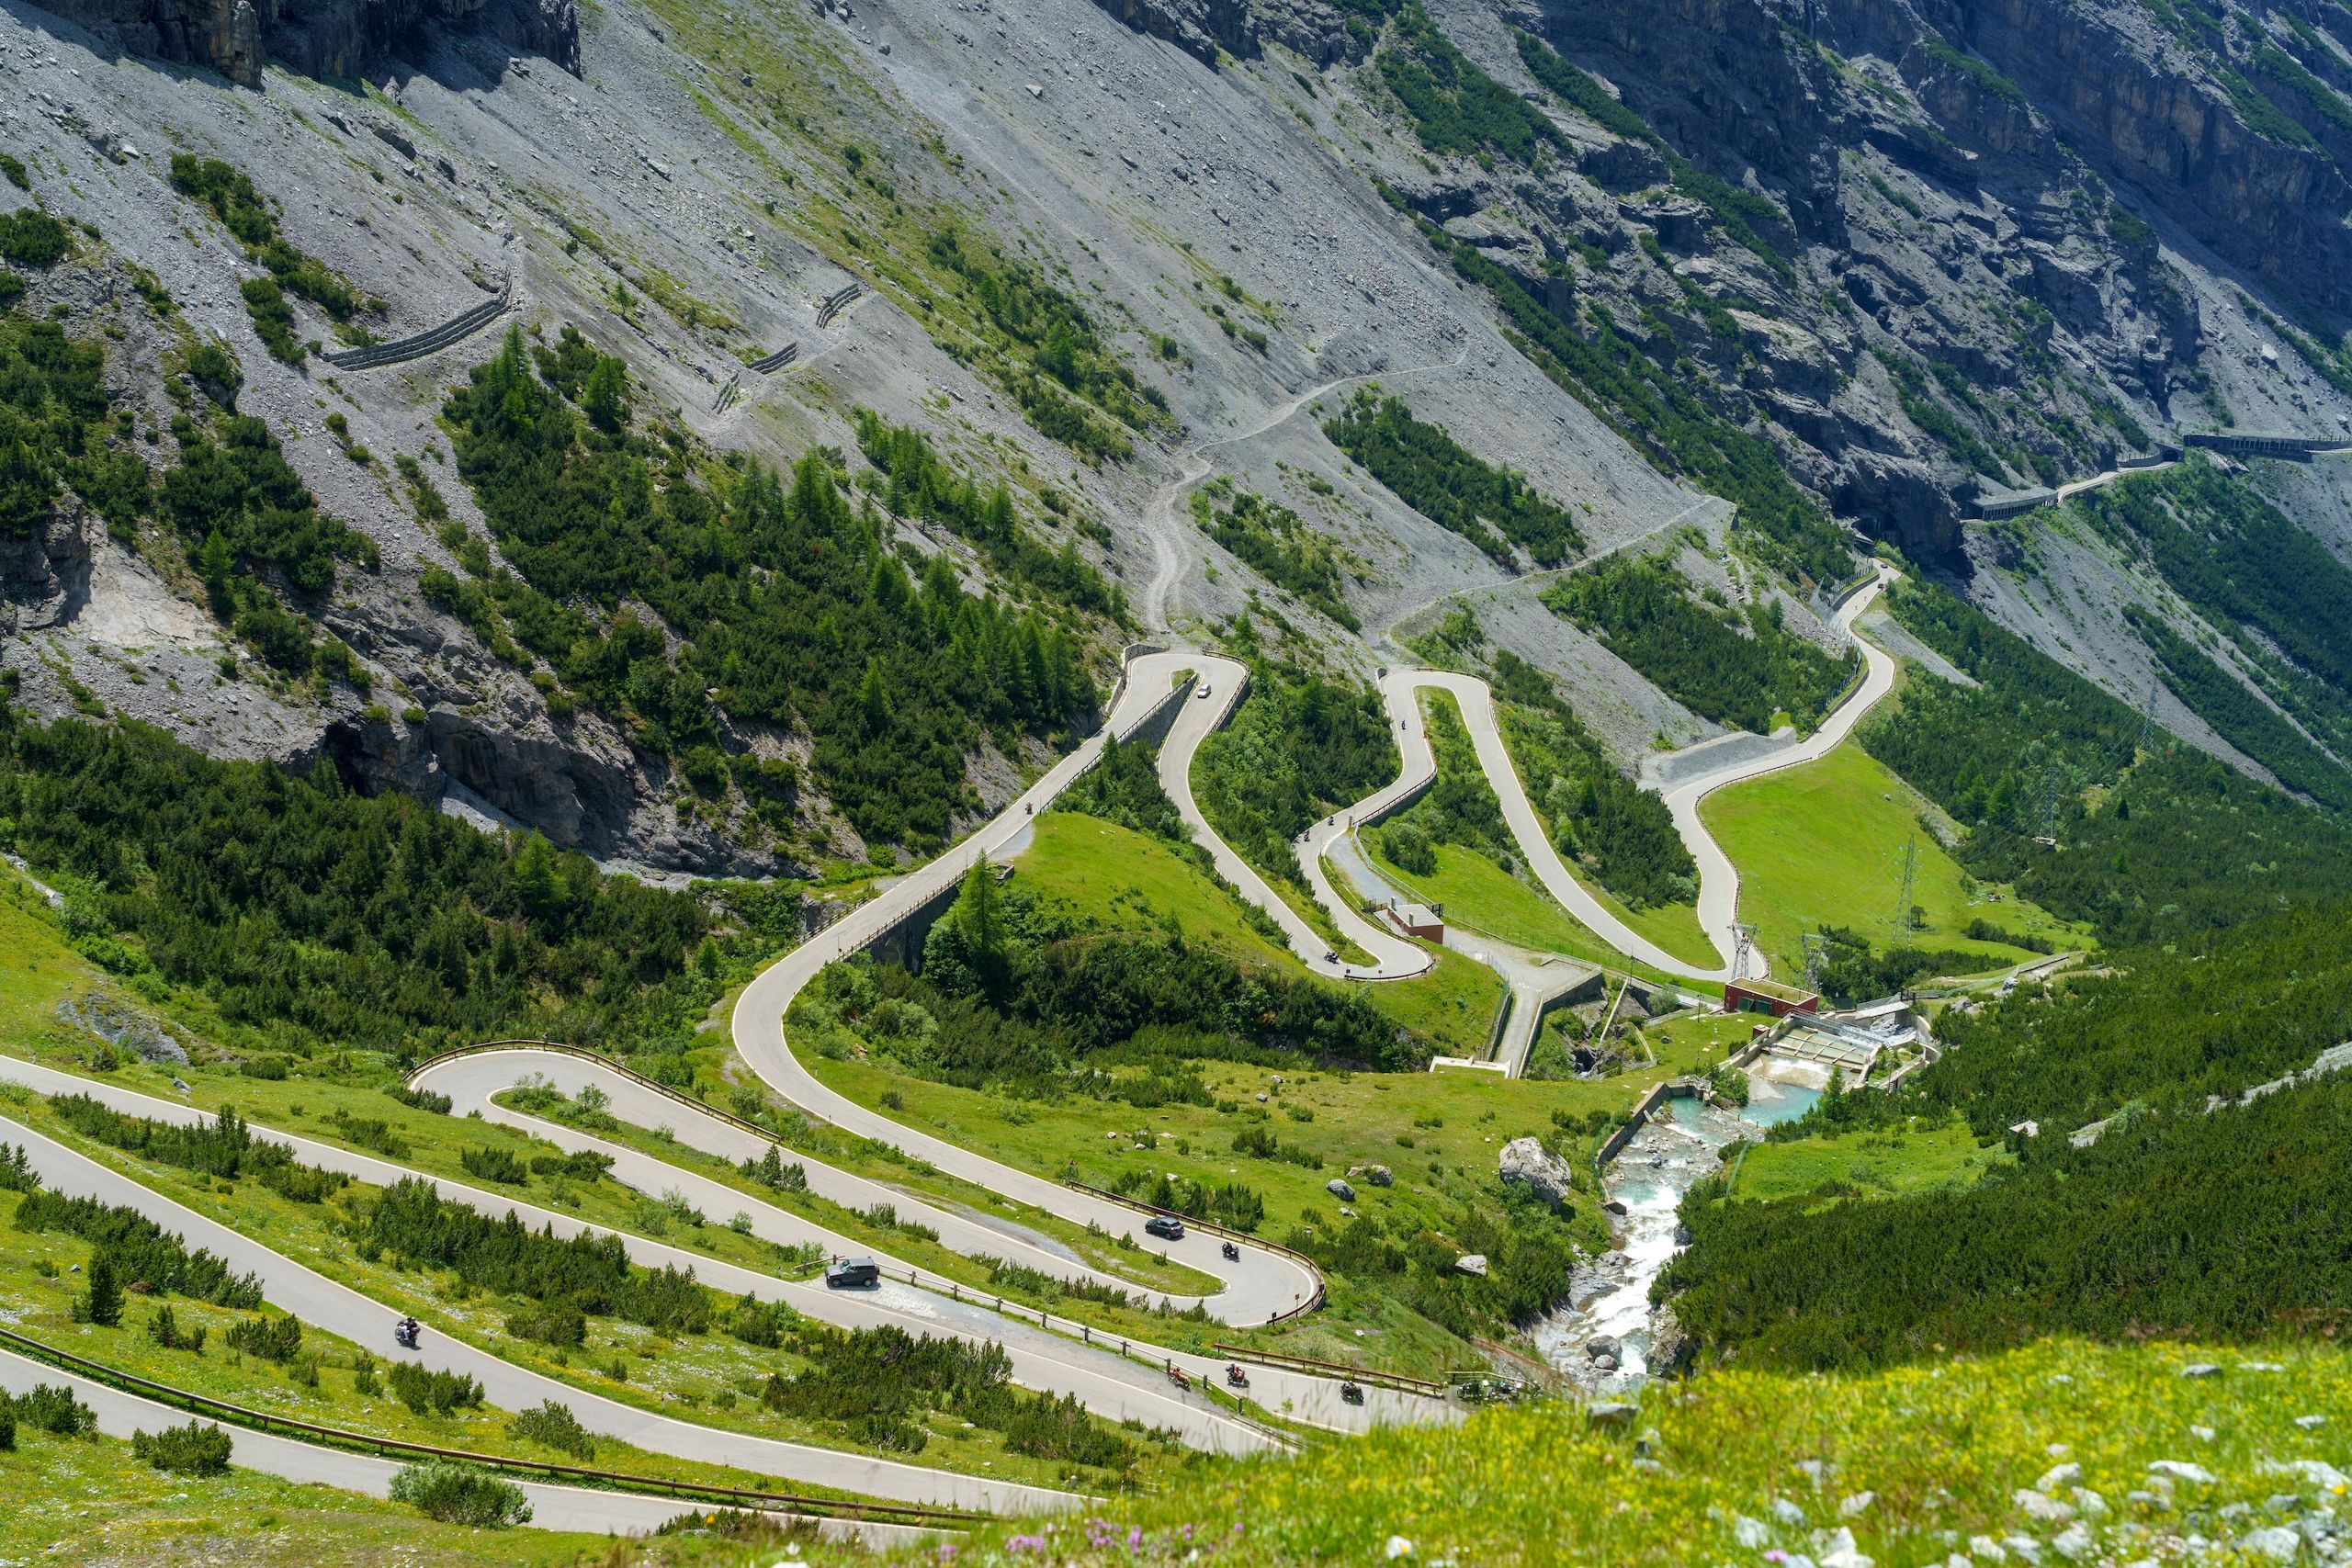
(1524, 1161)
(1473, 1263)
(1338, 1189)
(1378, 1175)
(1615, 1415)
(1600, 1344)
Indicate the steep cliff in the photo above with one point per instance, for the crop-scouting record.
(319, 38)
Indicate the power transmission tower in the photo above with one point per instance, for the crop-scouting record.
(2148, 717)
(1816, 953)
(1910, 879)
(2048, 837)
(1742, 939)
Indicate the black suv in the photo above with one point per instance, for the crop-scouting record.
(853, 1273)
(1168, 1227)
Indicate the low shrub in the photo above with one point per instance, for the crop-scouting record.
(196, 1448)
(460, 1495)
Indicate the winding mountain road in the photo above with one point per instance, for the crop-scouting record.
(1262, 1282)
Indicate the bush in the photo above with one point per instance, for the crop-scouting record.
(51, 1408)
(494, 1165)
(554, 1426)
(433, 1392)
(193, 1450)
(1408, 849)
(460, 1495)
(559, 1323)
(586, 1164)
(763, 1323)
(141, 1251)
(164, 1329)
(30, 237)
(271, 1338)
(419, 1099)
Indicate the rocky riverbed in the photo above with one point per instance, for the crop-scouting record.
(1604, 1341)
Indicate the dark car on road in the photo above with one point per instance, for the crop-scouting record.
(853, 1273)
(1168, 1227)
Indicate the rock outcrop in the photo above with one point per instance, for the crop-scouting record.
(318, 37)
(1315, 28)
(1525, 1162)
(43, 574)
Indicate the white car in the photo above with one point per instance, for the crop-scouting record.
(1201, 694)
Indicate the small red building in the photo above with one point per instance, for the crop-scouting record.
(1765, 997)
(1419, 921)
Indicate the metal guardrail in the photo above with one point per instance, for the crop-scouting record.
(1214, 1228)
(840, 299)
(1400, 1381)
(341, 1438)
(430, 341)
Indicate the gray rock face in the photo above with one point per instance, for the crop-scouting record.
(1201, 28)
(1525, 1162)
(118, 1026)
(318, 37)
(44, 574)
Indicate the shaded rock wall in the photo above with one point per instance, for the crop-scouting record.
(318, 37)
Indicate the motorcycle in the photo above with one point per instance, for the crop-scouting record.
(404, 1333)
(1352, 1393)
(1234, 1377)
(1232, 1253)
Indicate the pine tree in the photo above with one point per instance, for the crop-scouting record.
(541, 892)
(979, 916)
(103, 1306)
(874, 700)
(607, 402)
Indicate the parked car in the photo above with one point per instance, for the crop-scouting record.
(1167, 1227)
(853, 1274)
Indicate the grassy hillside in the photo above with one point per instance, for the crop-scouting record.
(1821, 844)
(1914, 1463)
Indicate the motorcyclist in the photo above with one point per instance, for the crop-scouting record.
(1232, 1252)
(405, 1332)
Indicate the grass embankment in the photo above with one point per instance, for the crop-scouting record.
(1879, 1164)
(1914, 1463)
(1439, 1132)
(1821, 844)
(39, 1274)
(87, 1500)
(1481, 896)
(1116, 879)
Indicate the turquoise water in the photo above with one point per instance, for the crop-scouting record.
(1682, 1145)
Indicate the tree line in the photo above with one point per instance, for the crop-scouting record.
(774, 603)
(312, 914)
(2151, 843)
(1735, 668)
